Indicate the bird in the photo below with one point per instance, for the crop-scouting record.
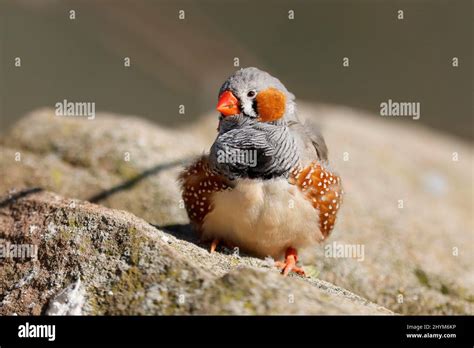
(265, 185)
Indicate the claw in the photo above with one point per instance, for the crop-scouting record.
(290, 263)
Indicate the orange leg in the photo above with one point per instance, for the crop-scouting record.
(291, 257)
(214, 245)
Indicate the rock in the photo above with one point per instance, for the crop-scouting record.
(68, 301)
(128, 164)
(389, 160)
(408, 199)
(98, 261)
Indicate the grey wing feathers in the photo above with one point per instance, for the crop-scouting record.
(318, 140)
(311, 132)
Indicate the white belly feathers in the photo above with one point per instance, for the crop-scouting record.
(263, 217)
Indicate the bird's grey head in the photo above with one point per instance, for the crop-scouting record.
(255, 94)
(255, 109)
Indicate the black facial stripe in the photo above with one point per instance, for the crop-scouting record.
(254, 106)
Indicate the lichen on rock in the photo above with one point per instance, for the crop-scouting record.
(127, 267)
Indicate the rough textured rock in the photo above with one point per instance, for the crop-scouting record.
(123, 265)
(123, 163)
(417, 259)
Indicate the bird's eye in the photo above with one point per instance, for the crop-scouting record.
(251, 94)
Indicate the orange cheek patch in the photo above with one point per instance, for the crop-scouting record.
(270, 105)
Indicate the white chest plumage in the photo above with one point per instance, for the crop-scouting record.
(263, 217)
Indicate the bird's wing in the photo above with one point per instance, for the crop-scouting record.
(323, 189)
(311, 138)
(198, 184)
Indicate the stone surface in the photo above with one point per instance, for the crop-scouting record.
(109, 262)
(124, 163)
(417, 258)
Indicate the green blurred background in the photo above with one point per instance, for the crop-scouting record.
(177, 62)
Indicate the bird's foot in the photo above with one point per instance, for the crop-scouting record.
(289, 265)
(214, 245)
(216, 242)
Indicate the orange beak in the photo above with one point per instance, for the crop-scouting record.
(228, 104)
